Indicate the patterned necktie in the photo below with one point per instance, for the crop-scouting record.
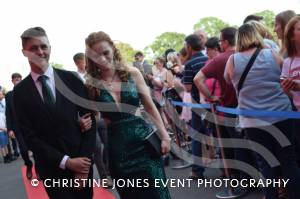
(46, 91)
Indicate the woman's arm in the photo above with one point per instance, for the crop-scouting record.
(177, 84)
(287, 83)
(199, 81)
(228, 73)
(278, 58)
(157, 82)
(150, 108)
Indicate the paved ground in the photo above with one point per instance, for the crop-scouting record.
(11, 184)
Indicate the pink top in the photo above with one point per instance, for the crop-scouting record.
(210, 84)
(291, 68)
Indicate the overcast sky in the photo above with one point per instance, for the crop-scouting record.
(136, 22)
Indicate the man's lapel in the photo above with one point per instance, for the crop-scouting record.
(58, 95)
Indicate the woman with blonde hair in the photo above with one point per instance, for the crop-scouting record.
(261, 90)
(122, 88)
(265, 34)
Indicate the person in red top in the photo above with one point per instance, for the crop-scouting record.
(215, 69)
(213, 50)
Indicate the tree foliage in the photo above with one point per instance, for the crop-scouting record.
(167, 40)
(211, 25)
(127, 51)
(268, 20)
(57, 65)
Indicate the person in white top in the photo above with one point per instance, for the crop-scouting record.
(3, 129)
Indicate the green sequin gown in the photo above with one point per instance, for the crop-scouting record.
(128, 157)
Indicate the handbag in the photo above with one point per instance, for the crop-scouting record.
(153, 144)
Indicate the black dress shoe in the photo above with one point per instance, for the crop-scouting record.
(29, 173)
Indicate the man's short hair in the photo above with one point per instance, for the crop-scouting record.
(32, 32)
(194, 42)
(228, 34)
(78, 56)
(16, 75)
(253, 18)
(138, 54)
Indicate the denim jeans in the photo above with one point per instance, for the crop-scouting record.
(197, 128)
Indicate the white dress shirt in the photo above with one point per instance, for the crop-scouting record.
(82, 76)
(51, 83)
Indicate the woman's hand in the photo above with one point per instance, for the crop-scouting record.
(165, 146)
(287, 85)
(85, 122)
(297, 87)
(214, 99)
(11, 134)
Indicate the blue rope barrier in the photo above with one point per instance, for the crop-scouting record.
(191, 105)
(249, 113)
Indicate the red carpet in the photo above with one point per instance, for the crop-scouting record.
(39, 192)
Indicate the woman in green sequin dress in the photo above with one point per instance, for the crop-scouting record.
(120, 89)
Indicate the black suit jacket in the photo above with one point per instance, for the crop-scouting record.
(9, 112)
(53, 133)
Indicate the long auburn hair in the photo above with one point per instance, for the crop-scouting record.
(283, 18)
(288, 42)
(93, 72)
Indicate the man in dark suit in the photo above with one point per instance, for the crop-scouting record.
(142, 64)
(48, 103)
(145, 68)
(12, 128)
